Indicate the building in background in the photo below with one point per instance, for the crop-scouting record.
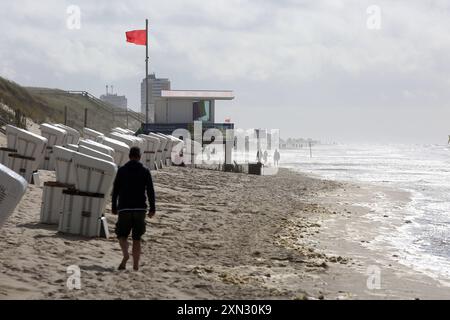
(114, 99)
(179, 109)
(187, 106)
(155, 87)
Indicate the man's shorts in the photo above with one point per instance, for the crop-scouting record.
(131, 222)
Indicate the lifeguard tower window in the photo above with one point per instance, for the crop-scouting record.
(202, 111)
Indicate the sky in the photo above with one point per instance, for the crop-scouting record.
(335, 70)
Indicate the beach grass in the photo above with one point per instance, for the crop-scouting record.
(48, 105)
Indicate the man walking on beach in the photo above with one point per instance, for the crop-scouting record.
(131, 186)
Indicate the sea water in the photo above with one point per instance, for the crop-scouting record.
(422, 170)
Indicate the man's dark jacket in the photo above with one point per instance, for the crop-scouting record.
(133, 182)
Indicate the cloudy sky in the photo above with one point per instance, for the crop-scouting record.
(319, 69)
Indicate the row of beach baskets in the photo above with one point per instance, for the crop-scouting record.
(85, 169)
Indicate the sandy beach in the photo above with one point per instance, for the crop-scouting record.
(217, 236)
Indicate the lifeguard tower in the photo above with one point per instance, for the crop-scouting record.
(182, 109)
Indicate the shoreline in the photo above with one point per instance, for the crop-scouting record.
(360, 233)
(216, 236)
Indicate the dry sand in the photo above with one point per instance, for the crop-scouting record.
(215, 236)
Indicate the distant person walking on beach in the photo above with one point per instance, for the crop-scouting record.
(276, 157)
(131, 186)
(258, 156)
(265, 156)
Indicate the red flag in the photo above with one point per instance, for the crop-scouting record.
(138, 37)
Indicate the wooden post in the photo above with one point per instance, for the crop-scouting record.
(85, 117)
(258, 145)
(17, 118)
(229, 144)
(65, 115)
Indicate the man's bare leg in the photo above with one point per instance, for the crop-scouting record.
(136, 254)
(124, 246)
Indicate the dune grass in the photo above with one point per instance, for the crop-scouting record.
(48, 105)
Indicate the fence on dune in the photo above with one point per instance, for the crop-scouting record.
(115, 112)
(115, 115)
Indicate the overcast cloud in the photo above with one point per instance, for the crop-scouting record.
(310, 68)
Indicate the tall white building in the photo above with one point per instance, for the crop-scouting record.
(155, 86)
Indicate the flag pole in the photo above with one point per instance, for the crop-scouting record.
(146, 71)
